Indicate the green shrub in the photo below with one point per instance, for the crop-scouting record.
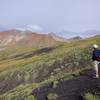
(52, 96)
(31, 97)
(89, 96)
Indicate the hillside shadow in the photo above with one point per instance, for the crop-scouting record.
(33, 53)
(38, 52)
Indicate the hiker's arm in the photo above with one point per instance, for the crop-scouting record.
(93, 55)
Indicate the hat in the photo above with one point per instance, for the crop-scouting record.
(95, 46)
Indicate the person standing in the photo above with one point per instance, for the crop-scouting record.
(96, 59)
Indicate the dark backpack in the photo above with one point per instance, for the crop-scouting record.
(97, 55)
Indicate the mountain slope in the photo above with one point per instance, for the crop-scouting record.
(30, 68)
(12, 37)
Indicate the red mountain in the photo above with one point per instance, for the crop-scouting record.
(12, 37)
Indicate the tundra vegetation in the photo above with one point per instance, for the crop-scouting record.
(24, 69)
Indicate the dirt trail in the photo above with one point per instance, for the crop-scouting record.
(72, 89)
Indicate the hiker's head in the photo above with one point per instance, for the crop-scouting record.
(95, 46)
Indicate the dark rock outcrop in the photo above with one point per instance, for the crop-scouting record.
(72, 89)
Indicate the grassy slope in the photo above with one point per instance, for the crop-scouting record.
(26, 72)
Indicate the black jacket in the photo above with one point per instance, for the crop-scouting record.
(94, 57)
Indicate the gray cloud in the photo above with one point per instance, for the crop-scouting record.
(52, 15)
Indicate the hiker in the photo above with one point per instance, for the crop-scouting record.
(96, 59)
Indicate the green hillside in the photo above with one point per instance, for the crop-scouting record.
(24, 68)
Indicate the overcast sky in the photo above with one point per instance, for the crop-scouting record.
(51, 15)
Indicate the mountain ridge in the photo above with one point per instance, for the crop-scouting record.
(13, 37)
